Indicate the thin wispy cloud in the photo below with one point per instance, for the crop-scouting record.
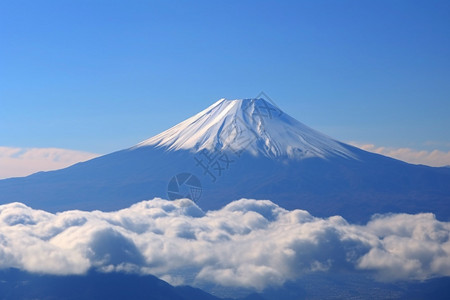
(436, 144)
(434, 158)
(15, 162)
(248, 243)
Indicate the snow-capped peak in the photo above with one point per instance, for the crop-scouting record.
(247, 125)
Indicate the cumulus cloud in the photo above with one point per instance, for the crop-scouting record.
(16, 162)
(435, 158)
(248, 243)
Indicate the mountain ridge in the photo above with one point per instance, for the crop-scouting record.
(330, 178)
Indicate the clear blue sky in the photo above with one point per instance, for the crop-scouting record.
(103, 75)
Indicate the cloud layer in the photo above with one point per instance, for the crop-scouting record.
(16, 162)
(435, 158)
(248, 243)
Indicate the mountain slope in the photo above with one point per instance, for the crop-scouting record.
(242, 148)
(15, 284)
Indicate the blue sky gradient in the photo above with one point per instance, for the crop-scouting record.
(100, 76)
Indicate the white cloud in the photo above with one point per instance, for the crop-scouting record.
(16, 162)
(248, 243)
(435, 158)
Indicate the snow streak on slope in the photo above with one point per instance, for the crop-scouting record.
(252, 125)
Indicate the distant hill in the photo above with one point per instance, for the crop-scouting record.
(15, 284)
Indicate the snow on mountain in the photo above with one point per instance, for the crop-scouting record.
(252, 125)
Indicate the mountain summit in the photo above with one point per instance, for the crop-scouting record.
(241, 149)
(253, 125)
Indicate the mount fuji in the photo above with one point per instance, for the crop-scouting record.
(237, 149)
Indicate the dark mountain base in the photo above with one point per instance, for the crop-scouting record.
(354, 189)
(351, 286)
(322, 286)
(15, 284)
